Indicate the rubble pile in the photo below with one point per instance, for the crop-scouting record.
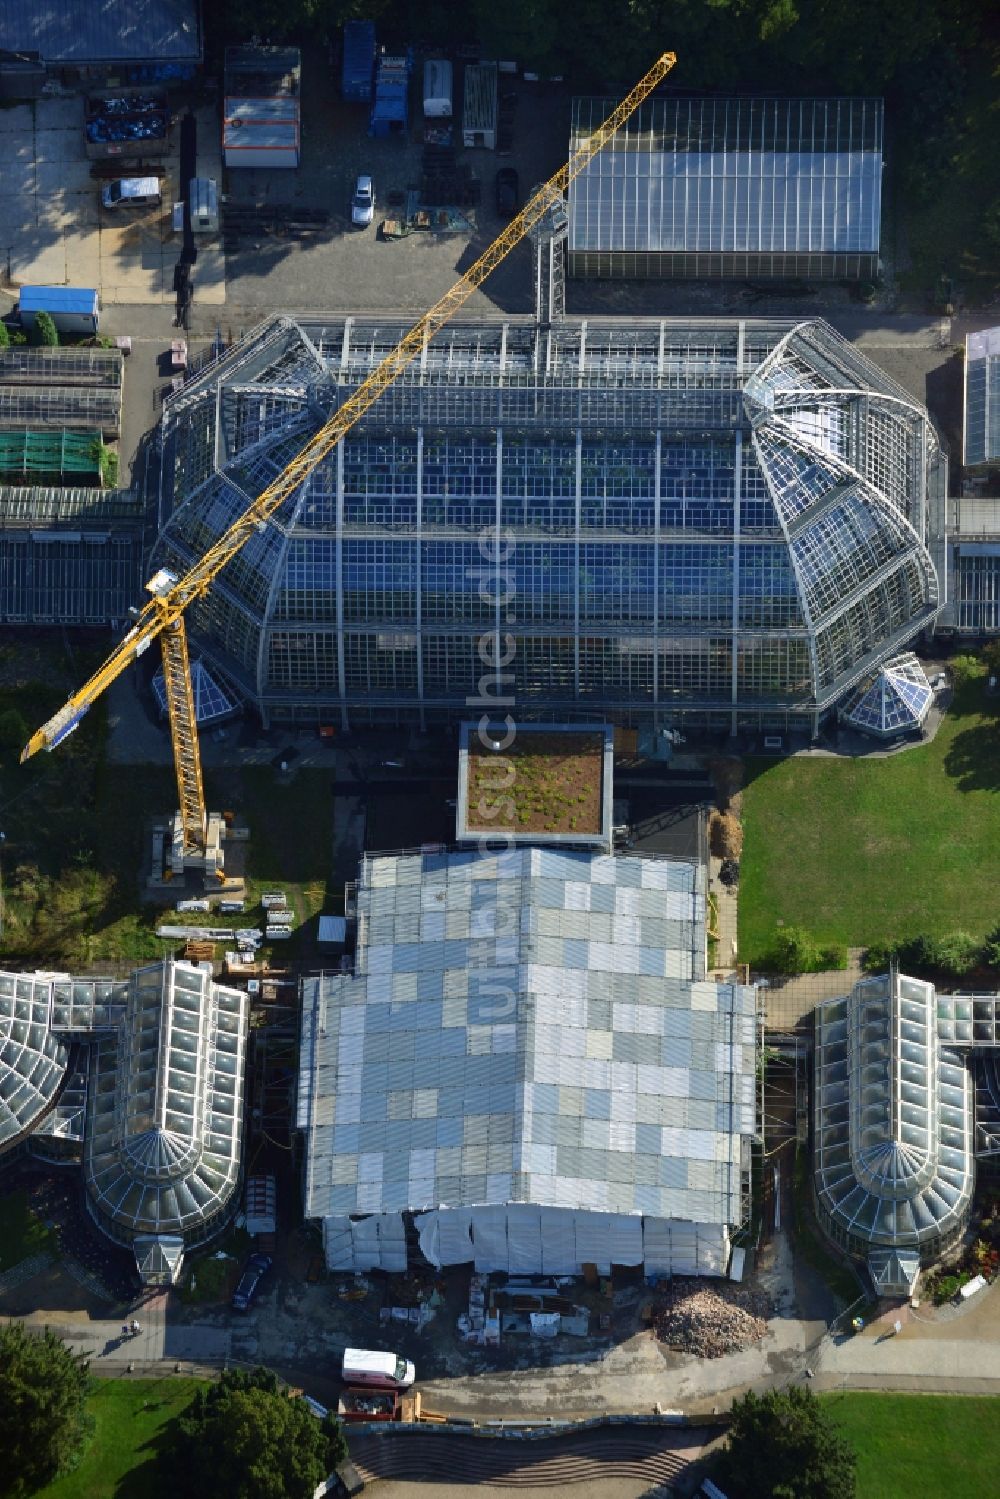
(710, 1320)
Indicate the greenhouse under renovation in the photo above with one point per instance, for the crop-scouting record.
(70, 556)
(142, 1080)
(906, 1097)
(721, 524)
(528, 1070)
(721, 188)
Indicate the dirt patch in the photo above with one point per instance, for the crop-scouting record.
(543, 783)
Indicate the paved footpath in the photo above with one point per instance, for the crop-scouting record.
(110, 1346)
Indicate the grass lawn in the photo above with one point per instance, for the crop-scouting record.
(859, 851)
(22, 1232)
(76, 828)
(921, 1446)
(129, 1416)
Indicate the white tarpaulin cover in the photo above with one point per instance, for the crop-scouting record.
(523, 1240)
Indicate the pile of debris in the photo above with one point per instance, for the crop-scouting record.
(710, 1320)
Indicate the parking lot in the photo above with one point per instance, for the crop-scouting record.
(345, 268)
(54, 231)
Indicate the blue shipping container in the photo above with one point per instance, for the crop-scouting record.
(359, 61)
(389, 114)
(73, 309)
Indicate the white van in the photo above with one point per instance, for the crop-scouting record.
(387, 1371)
(131, 192)
(437, 89)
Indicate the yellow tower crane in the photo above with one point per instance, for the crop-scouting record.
(163, 614)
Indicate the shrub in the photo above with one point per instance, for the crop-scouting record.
(46, 332)
(965, 669)
(795, 951)
(14, 731)
(957, 952)
(726, 835)
(878, 957)
(833, 956)
(4, 335)
(991, 948)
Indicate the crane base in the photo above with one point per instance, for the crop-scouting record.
(211, 860)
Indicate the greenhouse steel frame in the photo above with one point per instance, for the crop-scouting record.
(981, 404)
(721, 188)
(720, 522)
(906, 1098)
(70, 556)
(145, 1075)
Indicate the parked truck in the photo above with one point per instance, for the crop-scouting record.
(131, 122)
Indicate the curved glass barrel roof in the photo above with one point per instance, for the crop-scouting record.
(896, 700)
(33, 1061)
(165, 1104)
(721, 520)
(893, 1159)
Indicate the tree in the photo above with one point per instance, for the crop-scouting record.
(4, 335)
(43, 1418)
(795, 951)
(14, 730)
(783, 1445)
(46, 332)
(245, 1437)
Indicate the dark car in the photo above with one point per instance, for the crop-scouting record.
(256, 1268)
(507, 192)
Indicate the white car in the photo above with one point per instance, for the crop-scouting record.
(363, 203)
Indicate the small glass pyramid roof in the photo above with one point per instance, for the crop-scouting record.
(894, 701)
(211, 702)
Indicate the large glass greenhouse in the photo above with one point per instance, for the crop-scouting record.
(717, 524)
(150, 1097)
(906, 1099)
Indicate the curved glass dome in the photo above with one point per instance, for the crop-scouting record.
(33, 1061)
(893, 1163)
(723, 523)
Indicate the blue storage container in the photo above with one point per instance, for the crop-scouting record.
(359, 61)
(73, 309)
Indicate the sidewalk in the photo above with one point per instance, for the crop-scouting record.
(158, 1343)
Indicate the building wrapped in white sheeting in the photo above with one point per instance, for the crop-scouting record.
(528, 1070)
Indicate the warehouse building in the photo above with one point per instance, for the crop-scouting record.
(142, 1080)
(721, 525)
(80, 34)
(973, 547)
(528, 1070)
(722, 188)
(907, 1098)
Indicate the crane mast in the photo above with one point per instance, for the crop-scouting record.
(163, 615)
